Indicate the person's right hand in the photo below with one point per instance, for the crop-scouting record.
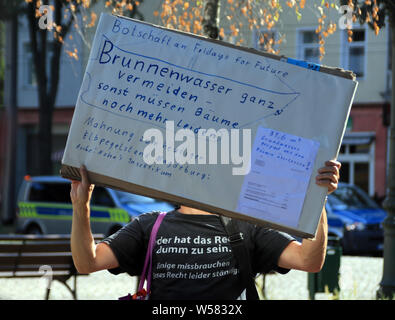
(81, 191)
(329, 175)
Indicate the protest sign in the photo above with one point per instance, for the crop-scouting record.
(207, 124)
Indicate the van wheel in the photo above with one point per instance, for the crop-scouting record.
(33, 229)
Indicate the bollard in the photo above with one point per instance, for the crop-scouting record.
(329, 274)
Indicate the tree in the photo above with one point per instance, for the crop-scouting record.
(187, 16)
(242, 15)
(47, 75)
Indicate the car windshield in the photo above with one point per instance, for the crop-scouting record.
(348, 197)
(125, 197)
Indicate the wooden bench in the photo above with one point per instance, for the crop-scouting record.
(39, 256)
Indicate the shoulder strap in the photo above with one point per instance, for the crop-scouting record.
(146, 274)
(241, 255)
(142, 294)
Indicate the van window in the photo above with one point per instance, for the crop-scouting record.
(50, 192)
(101, 197)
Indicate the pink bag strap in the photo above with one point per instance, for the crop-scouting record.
(148, 257)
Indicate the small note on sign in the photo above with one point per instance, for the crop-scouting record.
(281, 167)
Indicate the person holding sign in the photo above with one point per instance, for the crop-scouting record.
(192, 256)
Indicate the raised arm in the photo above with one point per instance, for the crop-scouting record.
(87, 256)
(310, 254)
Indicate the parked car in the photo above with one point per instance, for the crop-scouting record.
(44, 207)
(359, 223)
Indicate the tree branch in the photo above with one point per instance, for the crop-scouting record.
(210, 18)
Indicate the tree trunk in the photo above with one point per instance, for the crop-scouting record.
(45, 110)
(47, 86)
(47, 107)
(45, 139)
(38, 41)
(11, 85)
(387, 284)
(211, 18)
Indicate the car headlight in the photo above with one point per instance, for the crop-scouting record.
(359, 226)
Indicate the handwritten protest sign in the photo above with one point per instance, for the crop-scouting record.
(202, 123)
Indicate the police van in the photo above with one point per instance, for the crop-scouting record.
(44, 207)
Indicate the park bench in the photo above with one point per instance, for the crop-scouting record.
(49, 256)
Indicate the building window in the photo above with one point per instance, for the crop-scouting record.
(354, 52)
(357, 156)
(308, 46)
(30, 78)
(29, 74)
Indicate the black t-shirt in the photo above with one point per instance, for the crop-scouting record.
(192, 258)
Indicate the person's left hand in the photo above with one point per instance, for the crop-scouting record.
(329, 175)
(81, 191)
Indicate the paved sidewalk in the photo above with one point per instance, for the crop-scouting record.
(360, 277)
(101, 285)
(359, 280)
